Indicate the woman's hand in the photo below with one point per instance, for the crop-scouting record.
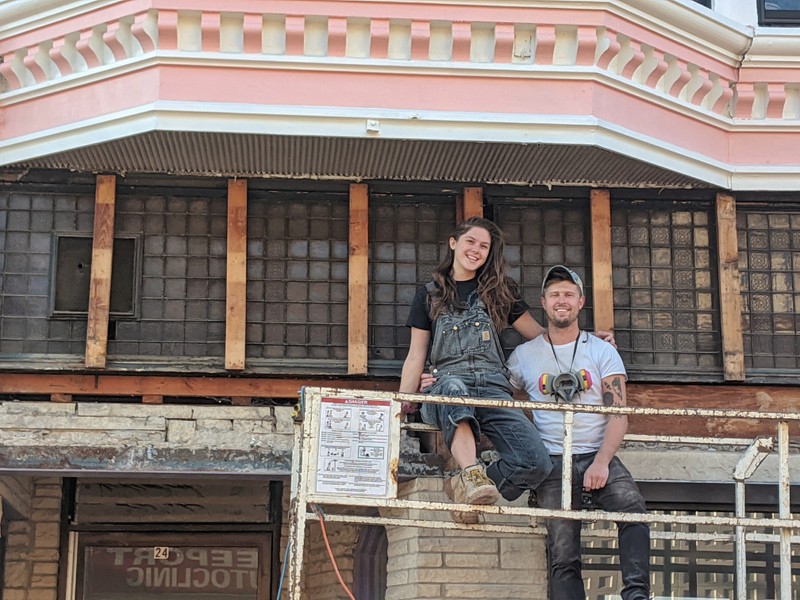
(607, 336)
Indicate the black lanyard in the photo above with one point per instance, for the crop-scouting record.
(574, 351)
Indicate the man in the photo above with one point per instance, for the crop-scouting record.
(570, 365)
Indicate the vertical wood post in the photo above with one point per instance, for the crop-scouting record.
(602, 280)
(729, 289)
(236, 280)
(358, 276)
(469, 203)
(100, 278)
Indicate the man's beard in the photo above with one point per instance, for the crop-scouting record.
(563, 323)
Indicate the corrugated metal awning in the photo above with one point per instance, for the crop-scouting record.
(299, 157)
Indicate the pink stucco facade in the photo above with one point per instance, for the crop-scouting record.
(655, 77)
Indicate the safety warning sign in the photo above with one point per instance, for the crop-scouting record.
(353, 453)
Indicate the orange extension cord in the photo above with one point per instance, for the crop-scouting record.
(321, 516)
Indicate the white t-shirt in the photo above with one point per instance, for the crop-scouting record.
(599, 358)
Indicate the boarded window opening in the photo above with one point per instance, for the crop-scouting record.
(73, 268)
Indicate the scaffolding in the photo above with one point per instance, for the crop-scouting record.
(347, 454)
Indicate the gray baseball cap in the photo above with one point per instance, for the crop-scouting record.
(566, 272)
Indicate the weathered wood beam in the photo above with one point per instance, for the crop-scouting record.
(236, 279)
(358, 279)
(100, 282)
(157, 385)
(729, 289)
(602, 282)
(469, 203)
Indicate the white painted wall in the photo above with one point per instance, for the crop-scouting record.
(743, 11)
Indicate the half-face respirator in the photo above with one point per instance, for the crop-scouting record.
(566, 385)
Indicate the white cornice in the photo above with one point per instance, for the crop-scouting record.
(20, 16)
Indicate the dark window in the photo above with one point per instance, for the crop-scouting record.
(666, 308)
(779, 12)
(540, 233)
(407, 236)
(73, 276)
(706, 3)
(769, 266)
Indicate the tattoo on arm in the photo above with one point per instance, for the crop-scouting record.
(613, 393)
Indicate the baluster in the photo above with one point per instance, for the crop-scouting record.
(274, 32)
(761, 101)
(545, 44)
(524, 44)
(144, 30)
(168, 26)
(86, 47)
(694, 85)
(295, 35)
(791, 108)
(420, 40)
(231, 32)
(744, 100)
(315, 41)
(379, 38)
(47, 66)
(565, 49)
(440, 46)
(400, 40)
(586, 39)
(776, 100)
(251, 33)
(359, 38)
(716, 98)
(482, 49)
(608, 46)
(112, 40)
(66, 56)
(337, 36)
(503, 42)
(13, 69)
(460, 42)
(210, 32)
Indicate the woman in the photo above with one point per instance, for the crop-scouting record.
(459, 316)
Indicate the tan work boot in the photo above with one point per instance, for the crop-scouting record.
(470, 486)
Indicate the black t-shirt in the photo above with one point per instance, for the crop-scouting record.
(419, 316)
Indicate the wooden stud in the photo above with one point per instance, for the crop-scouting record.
(241, 400)
(602, 279)
(729, 289)
(62, 398)
(236, 280)
(152, 399)
(100, 279)
(358, 277)
(469, 204)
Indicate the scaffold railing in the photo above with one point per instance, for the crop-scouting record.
(347, 454)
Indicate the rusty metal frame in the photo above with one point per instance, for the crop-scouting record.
(306, 430)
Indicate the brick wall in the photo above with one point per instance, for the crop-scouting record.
(32, 552)
(440, 564)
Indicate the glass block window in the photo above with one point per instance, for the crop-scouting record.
(769, 267)
(27, 223)
(297, 267)
(182, 290)
(407, 239)
(540, 233)
(666, 307)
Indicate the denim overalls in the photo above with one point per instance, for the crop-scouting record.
(467, 360)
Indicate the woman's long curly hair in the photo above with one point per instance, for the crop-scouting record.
(497, 290)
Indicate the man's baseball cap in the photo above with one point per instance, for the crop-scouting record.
(566, 273)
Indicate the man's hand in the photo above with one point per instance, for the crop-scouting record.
(607, 336)
(407, 408)
(596, 477)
